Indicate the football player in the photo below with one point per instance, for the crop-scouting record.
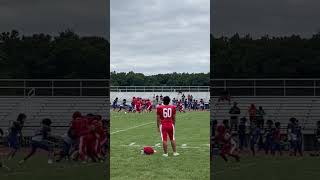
(15, 134)
(166, 120)
(42, 139)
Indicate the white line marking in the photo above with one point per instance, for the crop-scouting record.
(157, 145)
(115, 132)
(131, 144)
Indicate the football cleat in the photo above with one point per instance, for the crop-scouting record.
(165, 155)
(176, 154)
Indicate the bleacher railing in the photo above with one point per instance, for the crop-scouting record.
(182, 89)
(266, 87)
(54, 87)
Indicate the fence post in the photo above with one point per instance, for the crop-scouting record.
(254, 88)
(52, 88)
(81, 88)
(24, 88)
(284, 88)
(314, 88)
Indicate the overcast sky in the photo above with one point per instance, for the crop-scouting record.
(160, 36)
(86, 17)
(260, 17)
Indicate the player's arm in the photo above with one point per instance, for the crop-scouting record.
(158, 122)
(174, 117)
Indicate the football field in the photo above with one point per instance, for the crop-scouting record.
(38, 169)
(131, 131)
(267, 168)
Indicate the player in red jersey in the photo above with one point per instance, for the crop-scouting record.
(101, 136)
(228, 145)
(81, 126)
(180, 106)
(166, 118)
(138, 105)
(133, 103)
(149, 105)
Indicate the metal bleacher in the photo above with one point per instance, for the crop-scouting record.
(127, 92)
(276, 109)
(54, 99)
(280, 98)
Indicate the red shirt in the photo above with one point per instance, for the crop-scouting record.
(221, 129)
(80, 126)
(99, 128)
(167, 113)
(148, 103)
(138, 103)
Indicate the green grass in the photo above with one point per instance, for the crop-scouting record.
(38, 169)
(267, 168)
(192, 129)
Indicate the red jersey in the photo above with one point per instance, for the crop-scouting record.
(76, 126)
(80, 126)
(138, 104)
(134, 100)
(221, 131)
(167, 113)
(99, 128)
(149, 103)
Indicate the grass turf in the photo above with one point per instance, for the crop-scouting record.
(37, 169)
(130, 132)
(266, 168)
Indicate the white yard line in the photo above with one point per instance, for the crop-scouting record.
(123, 130)
(158, 145)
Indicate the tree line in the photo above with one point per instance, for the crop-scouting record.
(170, 79)
(265, 57)
(66, 55)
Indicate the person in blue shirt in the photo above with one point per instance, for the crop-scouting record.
(268, 137)
(42, 139)
(254, 137)
(115, 104)
(297, 139)
(15, 135)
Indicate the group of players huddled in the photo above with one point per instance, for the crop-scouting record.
(139, 104)
(270, 140)
(85, 140)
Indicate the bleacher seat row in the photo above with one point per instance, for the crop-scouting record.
(59, 110)
(305, 109)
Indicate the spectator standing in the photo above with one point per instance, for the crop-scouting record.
(252, 113)
(234, 114)
(242, 134)
(260, 117)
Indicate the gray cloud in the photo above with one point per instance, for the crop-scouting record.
(47, 16)
(152, 36)
(274, 17)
